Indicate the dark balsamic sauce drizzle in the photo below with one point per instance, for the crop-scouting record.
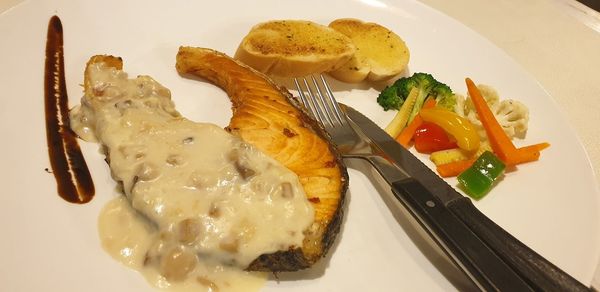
(74, 183)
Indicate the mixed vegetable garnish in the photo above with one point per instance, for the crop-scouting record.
(466, 137)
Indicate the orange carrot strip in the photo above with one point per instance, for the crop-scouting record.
(500, 142)
(535, 147)
(532, 152)
(429, 103)
(454, 168)
(407, 134)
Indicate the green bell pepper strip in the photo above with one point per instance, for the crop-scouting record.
(478, 179)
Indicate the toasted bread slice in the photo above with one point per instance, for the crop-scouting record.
(381, 54)
(292, 48)
(268, 117)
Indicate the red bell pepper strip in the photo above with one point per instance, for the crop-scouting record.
(430, 137)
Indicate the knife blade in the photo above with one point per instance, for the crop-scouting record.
(539, 272)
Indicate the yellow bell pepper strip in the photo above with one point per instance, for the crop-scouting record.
(478, 179)
(500, 142)
(458, 127)
(452, 162)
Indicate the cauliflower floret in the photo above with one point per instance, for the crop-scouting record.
(512, 115)
(489, 94)
(459, 106)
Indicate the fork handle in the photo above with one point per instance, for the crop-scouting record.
(543, 275)
(465, 248)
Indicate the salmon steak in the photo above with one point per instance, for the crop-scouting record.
(268, 117)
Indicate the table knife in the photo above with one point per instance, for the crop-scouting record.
(535, 269)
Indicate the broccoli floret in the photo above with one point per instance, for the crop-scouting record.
(394, 96)
(390, 99)
(428, 86)
(444, 96)
(422, 81)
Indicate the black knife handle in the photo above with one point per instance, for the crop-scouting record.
(538, 271)
(470, 253)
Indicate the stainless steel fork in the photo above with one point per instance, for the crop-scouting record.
(476, 259)
(321, 104)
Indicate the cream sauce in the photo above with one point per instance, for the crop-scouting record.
(204, 198)
(127, 237)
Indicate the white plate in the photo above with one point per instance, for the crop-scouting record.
(48, 244)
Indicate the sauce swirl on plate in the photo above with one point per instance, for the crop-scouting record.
(73, 179)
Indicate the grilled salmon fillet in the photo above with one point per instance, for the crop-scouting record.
(269, 117)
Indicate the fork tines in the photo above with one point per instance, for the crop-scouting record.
(318, 98)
